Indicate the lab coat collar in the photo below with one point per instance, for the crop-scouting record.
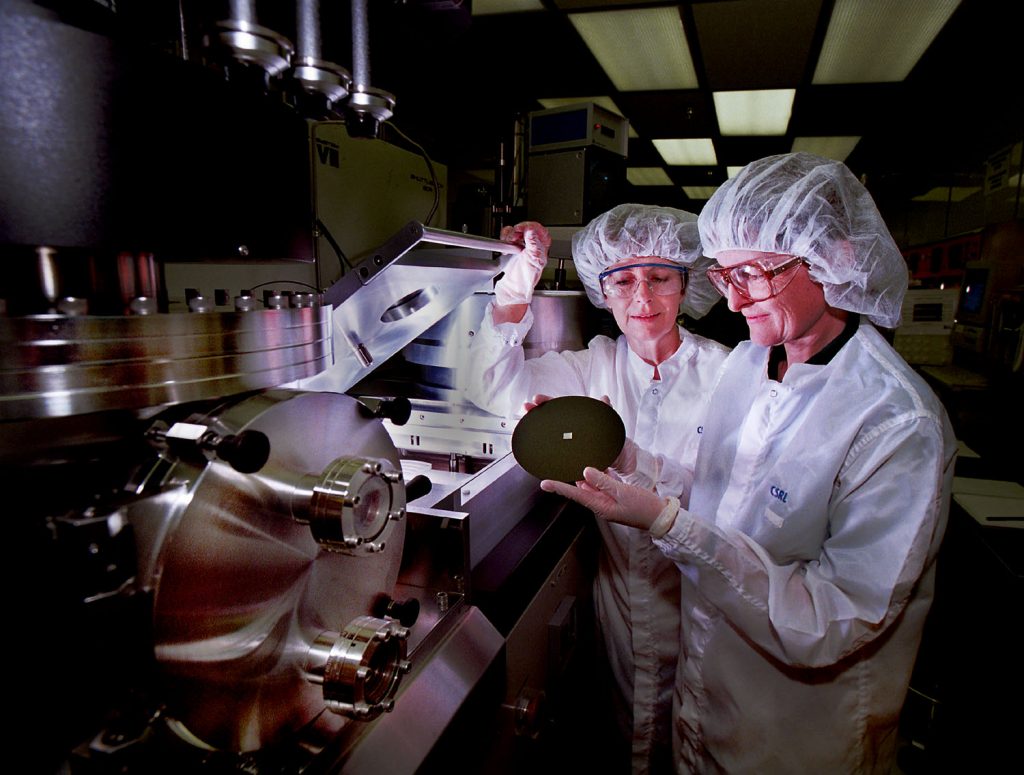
(824, 355)
(670, 367)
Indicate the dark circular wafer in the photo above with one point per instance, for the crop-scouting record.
(562, 436)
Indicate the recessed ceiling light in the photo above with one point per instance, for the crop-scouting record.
(880, 41)
(693, 151)
(648, 176)
(759, 112)
(485, 7)
(639, 49)
(731, 172)
(699, 192)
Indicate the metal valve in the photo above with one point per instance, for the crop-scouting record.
(361, 667)
(247, 452)
(350, 506)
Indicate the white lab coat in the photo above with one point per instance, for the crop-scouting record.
(636, 591)
(808, 557)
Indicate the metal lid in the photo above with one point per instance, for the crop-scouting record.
(398, 292)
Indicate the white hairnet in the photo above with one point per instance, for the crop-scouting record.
(803, 205)
(632, 230)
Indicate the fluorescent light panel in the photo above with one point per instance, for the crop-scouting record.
(693, 151)
(731, 172)
(837, 148)
(878, 41)
(640, 50)
(648, 176)
(604, 102)
(485, 7)
(762, 112)
(699, 192)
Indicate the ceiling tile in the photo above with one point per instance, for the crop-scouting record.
(845, 110)
(696, 176)
(668, 114)
(756, 44)
(742, 150)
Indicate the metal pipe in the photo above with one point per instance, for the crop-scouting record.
(308, 43)
(243, 11)
(360, 45)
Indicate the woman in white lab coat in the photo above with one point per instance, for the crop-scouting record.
(807, 543)
(643, 263)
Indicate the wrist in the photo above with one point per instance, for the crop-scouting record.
(664, 521)
(508, 313)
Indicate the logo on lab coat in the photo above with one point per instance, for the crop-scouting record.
(778, 492)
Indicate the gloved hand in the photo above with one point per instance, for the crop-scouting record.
(633, 463)
(524, 270)
(625, 464)
(534, 402)
(613, 500)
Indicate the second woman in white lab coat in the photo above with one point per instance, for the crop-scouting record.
(643, 263)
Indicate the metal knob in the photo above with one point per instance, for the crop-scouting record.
(246, 452)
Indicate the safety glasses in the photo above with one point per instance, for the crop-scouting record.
(623, 281)
(753, 280)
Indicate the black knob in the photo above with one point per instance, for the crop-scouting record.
(417, 487)
(246, 452)
(398, 410)
(405, 611)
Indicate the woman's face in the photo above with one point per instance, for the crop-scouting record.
(644, 317)
(792, 315)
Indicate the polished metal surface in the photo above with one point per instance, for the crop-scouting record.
(360, 667)
(563, 320)
(352, 505)
(253, 44)
(241, 590)
(399, 742)
(400, 291)
(56, 366)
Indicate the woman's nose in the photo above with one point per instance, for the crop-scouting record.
(736, 300)
(642, 291)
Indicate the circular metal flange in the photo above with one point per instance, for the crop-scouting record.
(254, 44)
(360, 667)
(241, 589)
(352, 504)
(57, 366)
(318, 76)
(375, 103)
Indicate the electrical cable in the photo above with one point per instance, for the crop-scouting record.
(275, 282)
(343, 259)
(430, 169)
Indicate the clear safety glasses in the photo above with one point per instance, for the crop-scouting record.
(754, 281)
(662, 280)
